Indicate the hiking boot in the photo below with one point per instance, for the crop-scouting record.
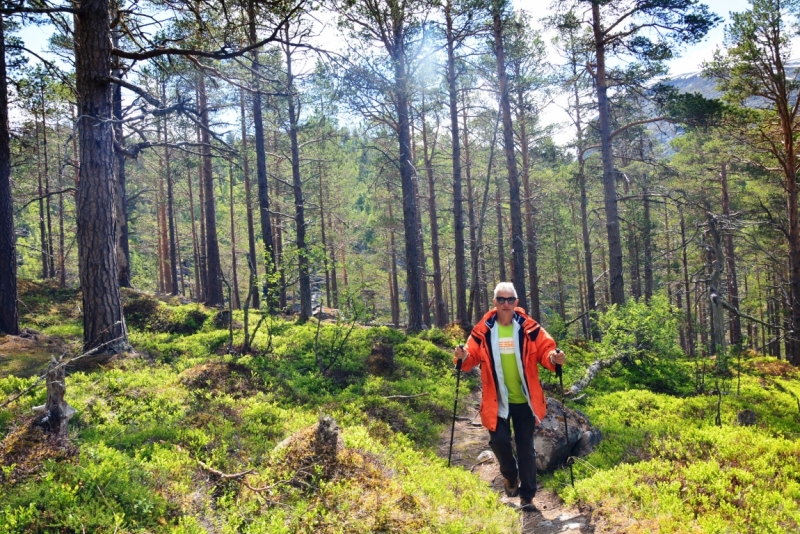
(526, 504)
(512, 487)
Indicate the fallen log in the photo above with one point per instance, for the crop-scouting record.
(591, 372)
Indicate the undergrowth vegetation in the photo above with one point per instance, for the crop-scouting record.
(189, 435)
(156, 432)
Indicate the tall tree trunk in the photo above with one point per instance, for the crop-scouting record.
(251, 235)
(9, 315)
(214, 296)
(517, 238)
(439, 307)
(423, 259)
(690, 338)
(733, 288)
(277, 225)
(261, 160)
(304, 279)
(51, 267)
(461, 315)
(647, 244)
(168, 286)
(235, 303)
(584, 317)
(501, 246)
(591, 296)
(530, 212)
(716, 265)
(103, 323)
(195, 241)
(413, 264)
(123, 245)
(559, 271)
(42, 226)
(616, 281)
(325, 257)
(62, 273)
(473, 304)
(334, 276)
(173, 254)
(393, 256)
(201, 295)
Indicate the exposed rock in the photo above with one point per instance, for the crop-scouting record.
(747, 418)
(552, 447)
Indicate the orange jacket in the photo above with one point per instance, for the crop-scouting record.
(534, 343)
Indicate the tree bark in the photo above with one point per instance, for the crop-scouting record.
(173, 254)
(9, 315)
(261, 162)
(235, 303)
(304, 280)
(733, 288)
(51, 267)
(40, 191)
(213, 295)
(501, 246)
(616, 281)
(690, 340)
(647, 244)
(251, 236)
(517, 238)
(413, 267)
(195, 241)
(103, 323)
(123, 245)
(473, 304)
(393, 257)
(439, 308)
(461, 314)
(323, 236)
(530, 211)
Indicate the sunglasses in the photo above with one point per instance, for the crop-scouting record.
(505, 300)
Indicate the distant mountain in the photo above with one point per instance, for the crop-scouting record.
(695, 82)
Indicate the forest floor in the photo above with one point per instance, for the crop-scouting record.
(549, 516)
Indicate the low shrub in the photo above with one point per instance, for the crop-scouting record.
(146, 313)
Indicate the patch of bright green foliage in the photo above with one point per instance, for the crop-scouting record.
(145, 425)
(664, 465)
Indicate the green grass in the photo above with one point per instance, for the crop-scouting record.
(145, 424)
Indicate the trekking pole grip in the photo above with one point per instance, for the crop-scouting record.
(460, 360)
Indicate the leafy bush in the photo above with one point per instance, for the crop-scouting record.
(644, 336)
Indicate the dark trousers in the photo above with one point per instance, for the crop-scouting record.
(524, 465)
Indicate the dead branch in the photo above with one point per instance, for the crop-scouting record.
(591, 372)
(405, 396)
(220, 474)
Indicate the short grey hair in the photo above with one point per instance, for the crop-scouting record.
(505, 286)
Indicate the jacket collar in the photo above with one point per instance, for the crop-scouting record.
(490, 319)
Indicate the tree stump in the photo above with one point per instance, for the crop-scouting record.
(747, 418)
(57, 412)
(326, 444)
(381, 359)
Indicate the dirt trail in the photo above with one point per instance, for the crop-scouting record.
(550, 515)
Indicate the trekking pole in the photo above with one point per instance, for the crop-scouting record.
(560, 376)
(455, 405)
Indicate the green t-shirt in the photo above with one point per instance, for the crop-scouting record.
(509, 362)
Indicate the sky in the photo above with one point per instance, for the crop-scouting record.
(689, 61)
